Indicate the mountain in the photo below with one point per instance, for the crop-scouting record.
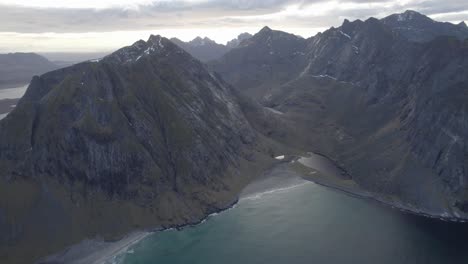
(420, 28)
(203, 49)
(18, 68)
(263, 62)
(237, 41)
(144, 138)
(390, 111)
(65, 59)
(150, 137)
(206, 49)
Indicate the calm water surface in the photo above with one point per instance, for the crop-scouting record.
(11, 93)
(302, 222)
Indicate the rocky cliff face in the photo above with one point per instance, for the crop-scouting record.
(145, 137)
(390, 110)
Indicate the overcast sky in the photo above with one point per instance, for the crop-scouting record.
(103, 25)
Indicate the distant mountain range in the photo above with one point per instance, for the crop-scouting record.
(149, 136)
(18, 68)
(206, 49)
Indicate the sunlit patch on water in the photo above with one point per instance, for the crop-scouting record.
(13, 93)
(274, 191)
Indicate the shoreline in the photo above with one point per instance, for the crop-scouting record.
(369, 196)
(387, 204)
(95, 251)
(109, 250)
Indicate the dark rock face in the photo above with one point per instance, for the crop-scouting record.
(145, 137)
(420, 28)
(389, 110)
(409, 121)
(19, 68)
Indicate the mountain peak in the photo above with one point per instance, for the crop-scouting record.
(244, 35)
(199, 41)
(237, 41)
(462, 24)
(417, 27)
(266, 29)
(410, 15)
(155, 45)
(155, 38)
(411, 12)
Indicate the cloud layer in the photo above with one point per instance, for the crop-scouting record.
(39, 21)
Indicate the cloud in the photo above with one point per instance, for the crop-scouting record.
(23, 17)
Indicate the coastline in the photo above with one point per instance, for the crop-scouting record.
(363, 194)
(385, 203)
(97, 251)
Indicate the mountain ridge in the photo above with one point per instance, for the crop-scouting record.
(206, 49)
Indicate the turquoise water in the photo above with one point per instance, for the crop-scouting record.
(306, 223)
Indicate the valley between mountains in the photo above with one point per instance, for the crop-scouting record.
(150, 137)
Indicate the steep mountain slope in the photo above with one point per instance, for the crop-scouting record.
(420, 28)
(391, 111)
(19, 68)
(263, 62)
(146, 137)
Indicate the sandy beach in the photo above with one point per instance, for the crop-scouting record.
(96, 251)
